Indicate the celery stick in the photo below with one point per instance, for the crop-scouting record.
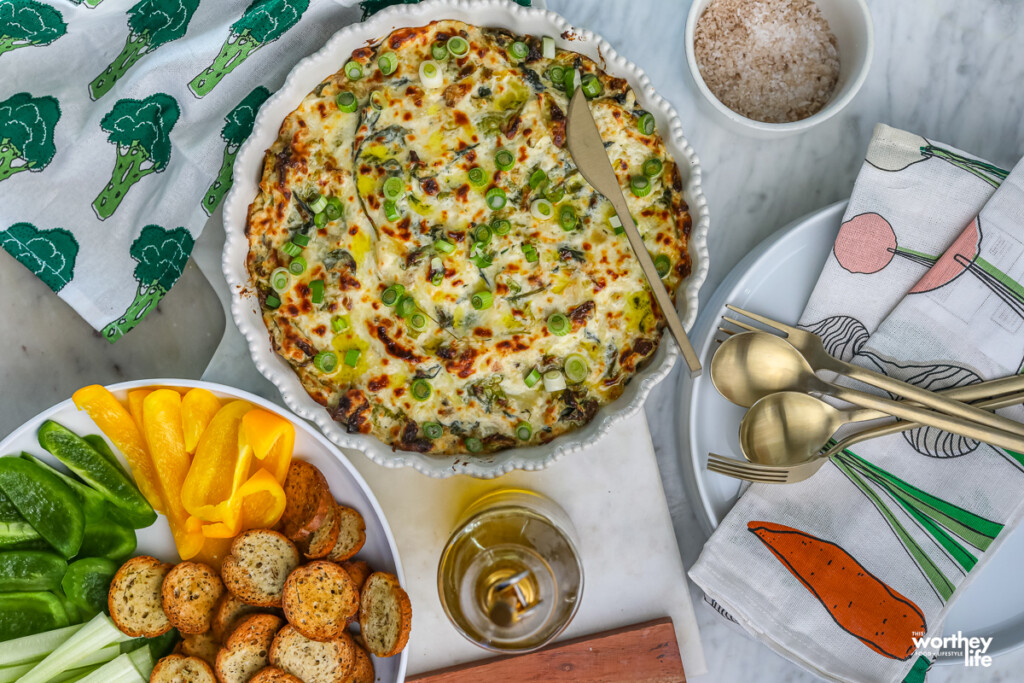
(118, 670)
(34, 647)
(9, 674)
(97, 634)
(143, 662)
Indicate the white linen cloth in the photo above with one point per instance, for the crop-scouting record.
(840, 573)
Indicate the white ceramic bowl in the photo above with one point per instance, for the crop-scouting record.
(849, 20)
(310, 72)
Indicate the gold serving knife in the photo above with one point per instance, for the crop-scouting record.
(587, 150)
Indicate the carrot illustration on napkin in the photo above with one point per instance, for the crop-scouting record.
(856, 599)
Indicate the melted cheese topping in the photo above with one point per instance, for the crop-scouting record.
(436, 141)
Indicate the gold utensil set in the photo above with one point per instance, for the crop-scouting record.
(787, 432)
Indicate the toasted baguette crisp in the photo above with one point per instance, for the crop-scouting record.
(182, 669)
(202, 645)
(385, 614)
(311, 661)
(228, 614)
(319, 600)
(190, 593)
(351, 535)
(247, 649)
(324, 539)
(258, 565)
(308, 500)
(362, 670)
(272, 674)
(358, 570)
(134, 597)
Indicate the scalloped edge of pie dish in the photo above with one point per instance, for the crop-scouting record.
(311, 71)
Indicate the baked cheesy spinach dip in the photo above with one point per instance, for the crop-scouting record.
(430, 261)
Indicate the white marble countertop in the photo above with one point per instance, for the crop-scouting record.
(943, 68)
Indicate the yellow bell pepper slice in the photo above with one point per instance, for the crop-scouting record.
(220, 465)
(197, 410)
(258, 504)
(272, 439)
(161, 421)
(135, 399)
(214, 551)
(114, 420)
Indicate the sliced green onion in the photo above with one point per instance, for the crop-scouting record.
(420, 389)
(645, 124)
(391, 211)
(537, 177)
(567, 218)
(504, 159)
(433, 430)
(297, 266)
(272, 301)
(524, 431)
(280, 279)
(352, 357)
(377, 100)
(554, 381)
(653, 167)
(547, 44)
(320, 220)
(458, 46)
(482, 260)
(406, 306)
(662, 264)
(558, 324)
(557, 76)
(477, 176)
(354, 70)
(482, 300)
(501, 226)
(616, 225)
(444, 246)
(316, 291)
(392, 294)
(530, 252)
(291, 249)
(346, 101)
(300, 239)
(340, 323)
(640, 185)
(571, 80)
(532, 377)
(482, 234)
(591, 86)
(387, 63)
(554, 193)
(318, 204)
(334, 211)
(576, 368)
(541, 209)
(418, 321)
(496, 198)
(519, 50)
(326, 361)
(439, 51)
(473, 444)
(394, 188)
(431, 75)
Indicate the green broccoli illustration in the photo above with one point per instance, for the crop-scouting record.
(50, 254)
(237, 128)
(27, 22)
(141, 131)
(88, 3)
(263, 22)
(161, 255)
(26, 133)
(151, 23)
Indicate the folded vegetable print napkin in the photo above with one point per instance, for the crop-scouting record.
(119, 125)
(845, 572)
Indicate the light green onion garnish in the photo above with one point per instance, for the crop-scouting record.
(352, 357)
(320, 220)
(662, 264)
(645, 124)
(473, 444)
(333, 211)
(537, 178)
(640, 185)
(316, 291)
(377, 100)
(524, 431)
(653, 167)
(439, 51)
(431, 75)
(346, 101)
(576, 368)
(354, 70)
(297, 266)
(300, 239)
(496, 198)
(572, 81)
(558, 324)
(482, 300)
(340, 323)
(317, 203)
(547, 47)
(417, 321)
(482, 234)
(420, 389)
(554, 381)
(272, 301)
(392, 294)
(444, 246)
(280, 280)
(477, 177)
(326, 361)
(501, 226)
(406, 306)
(530, 252)
(532, 377)
(554, 193)
(458, 46)
(387, 63)
(291, 249)
(433, 430)
(394, 188)
(541, 209)
(567, 218)
(518, 50)
(391, 211)
(504, 159)
(616, 225)
(557, 76)
(591, 86)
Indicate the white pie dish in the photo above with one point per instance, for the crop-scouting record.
(311, 71)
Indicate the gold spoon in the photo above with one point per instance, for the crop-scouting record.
(749, 366)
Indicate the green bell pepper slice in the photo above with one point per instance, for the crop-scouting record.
(46, 502)
(30, 570)
(87, 582)
(23, 614)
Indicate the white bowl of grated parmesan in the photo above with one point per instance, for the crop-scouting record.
(771, 68)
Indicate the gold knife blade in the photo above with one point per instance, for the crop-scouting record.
(588, 153)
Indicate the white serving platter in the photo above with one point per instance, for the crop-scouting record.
(310, 72)
(776, 279)
(347, 485)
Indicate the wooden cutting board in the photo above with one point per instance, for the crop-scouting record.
(641, 653)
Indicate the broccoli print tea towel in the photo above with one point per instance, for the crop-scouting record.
(857, 567)
(119, 124)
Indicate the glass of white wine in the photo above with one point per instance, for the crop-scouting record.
(510, 577)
